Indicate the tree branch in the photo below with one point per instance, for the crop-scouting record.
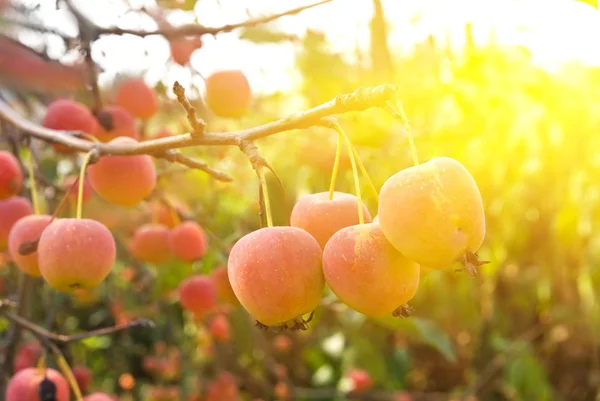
(197, 29)
(177, 157)
(359, 100)
(41, 332)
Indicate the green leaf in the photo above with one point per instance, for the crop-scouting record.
(423, 330)
(103, 342)
(262, 34)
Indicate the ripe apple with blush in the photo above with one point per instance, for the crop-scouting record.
(276, 274)
(11, 210)
(150, 243)
(69, 115)
(221, 279)
(11, 175)
(137, 97)
(123, 180)
(25, 233)
(25, 384)
(322, 217)
(113, 122)
(198, 294)
(188, 241)
(83, 376)
(364, 270)
(76, 253)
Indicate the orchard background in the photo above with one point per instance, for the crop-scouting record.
(524, 328)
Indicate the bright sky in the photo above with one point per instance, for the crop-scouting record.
(554, 30)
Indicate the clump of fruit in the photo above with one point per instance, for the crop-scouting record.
(11, 175)
(123, 180)
(367, 273)
(228, 93)
(23, 239)
(76, 253)
(433, 214)
(188, 241)
(276, 274)
(322, 217)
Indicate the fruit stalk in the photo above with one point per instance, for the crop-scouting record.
(336, 126)
(265, 191)
(34, 198)
(336, 166)
(398, 112)
(84, 165)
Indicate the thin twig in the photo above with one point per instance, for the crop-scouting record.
(39, 331)
(197, 29)
(198, 125)
(177, 157)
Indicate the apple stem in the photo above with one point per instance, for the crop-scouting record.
(66, 370)
(363, 170)
(398, 112)
(336, 166)
(265, 191)
(86, 161)
(361, 215)
(34, 198)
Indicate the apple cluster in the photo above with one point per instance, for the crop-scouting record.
(430, 216)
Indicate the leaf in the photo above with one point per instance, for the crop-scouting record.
(423, 330)
(263, 34)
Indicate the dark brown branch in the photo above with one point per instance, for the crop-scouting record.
(41, 332)
(87, 34)
(197, 29)
(35, 27)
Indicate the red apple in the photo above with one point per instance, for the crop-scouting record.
(69, 115)
(123, 180)
(188, 241)
(11, 175)
(76, 253)
(83, 376)
(150, 244)
(113, 122)
(198, 294)
(228, 93)
(135, 96)
(25, 384)
(27, 230)
(322, 217)
(11, 210)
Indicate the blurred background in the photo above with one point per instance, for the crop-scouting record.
(509, 88)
